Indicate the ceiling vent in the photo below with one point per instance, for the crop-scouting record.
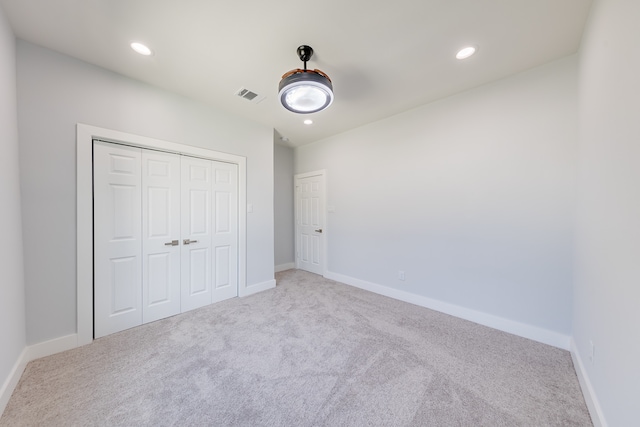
(249, 95)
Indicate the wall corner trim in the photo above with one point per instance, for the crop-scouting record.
(590, 398)
(33, 352)
(12, 380)
(523, 330)
(284, 267)
(258, 287)
(56, 345)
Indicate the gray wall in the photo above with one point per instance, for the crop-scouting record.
(283, 204)
(472, 196)
(607, 289)
(12, 306)
(54, 93)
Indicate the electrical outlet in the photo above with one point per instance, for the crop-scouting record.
(400, 275)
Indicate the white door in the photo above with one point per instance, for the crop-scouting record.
(165, 235)
(196, 233)
(310, 222)
(160, 235)
(117, 242)
(225, 231)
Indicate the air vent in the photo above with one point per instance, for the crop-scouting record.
(249, 95)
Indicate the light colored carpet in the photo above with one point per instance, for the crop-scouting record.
(311, 352)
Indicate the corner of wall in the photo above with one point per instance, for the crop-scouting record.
(28, 354)
(258, 287)
(12, 380)
(284, 267)
(590, 398)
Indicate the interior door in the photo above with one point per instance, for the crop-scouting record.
(196, 289)
(225, 231)
(165, 235)
(310, 222)
(117, 238)
(161, 235)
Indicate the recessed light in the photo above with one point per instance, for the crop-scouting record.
(466, 52)
(141, 49)
(308, 122)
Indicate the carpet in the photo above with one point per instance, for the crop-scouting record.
(311, 352)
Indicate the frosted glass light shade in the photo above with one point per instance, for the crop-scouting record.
(305, 92)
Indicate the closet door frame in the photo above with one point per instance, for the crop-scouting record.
(85, 134)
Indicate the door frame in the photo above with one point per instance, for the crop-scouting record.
(325, 226)
(85, 134)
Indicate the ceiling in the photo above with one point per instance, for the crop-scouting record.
(384, 57)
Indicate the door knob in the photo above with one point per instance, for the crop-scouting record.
(187, 241)
(172, 243)
(319, 230)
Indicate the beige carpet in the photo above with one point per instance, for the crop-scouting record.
(311, 352)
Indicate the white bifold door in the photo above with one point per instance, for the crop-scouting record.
(160, 235)
(117, 238)
(165, 235)
(196, 226)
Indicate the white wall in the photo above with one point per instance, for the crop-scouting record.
(607, 290)
(472, 196)
(283, 203)
(54, 93)
(12, 306)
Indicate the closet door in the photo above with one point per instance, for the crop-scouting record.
(225, 231)
(196, 233)
(117, 238)
(160, 235)
(165, 235)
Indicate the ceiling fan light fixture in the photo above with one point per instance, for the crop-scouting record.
(305, 91)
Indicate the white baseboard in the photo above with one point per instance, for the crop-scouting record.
(53, 346)
(12, 380)
(534, 333)
(259, 287)
(595, 410)
(284, 267)
(30, 353)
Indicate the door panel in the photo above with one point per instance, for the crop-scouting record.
(123, 286)
(199, 271)
(225, 233)
(159, 275)
(161, 227)
(310, 223)
(222, 270)
(198, 211)
(196, 233)
(117, 233)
